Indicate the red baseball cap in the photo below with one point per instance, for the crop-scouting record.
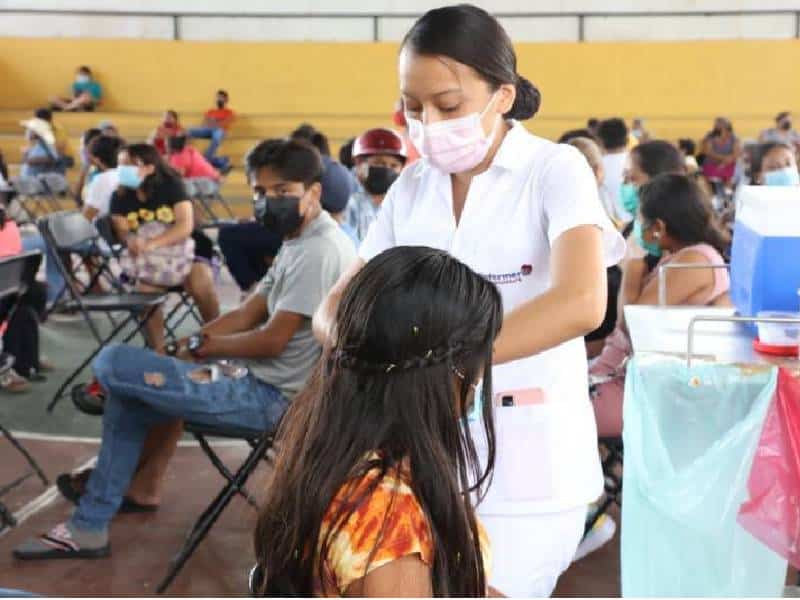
(379, 141)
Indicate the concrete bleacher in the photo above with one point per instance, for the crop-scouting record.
(247, 131)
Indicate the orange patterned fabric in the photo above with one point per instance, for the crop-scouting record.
(391, 518)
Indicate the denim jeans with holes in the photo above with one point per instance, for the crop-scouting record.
(145, 389)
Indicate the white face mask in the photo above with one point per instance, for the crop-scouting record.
(82, 78)
(454, 145)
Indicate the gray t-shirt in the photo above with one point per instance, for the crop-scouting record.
(302, 274)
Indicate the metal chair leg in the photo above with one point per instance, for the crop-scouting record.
(6, 518)
(212, 456)
(132, 317)
(206, 521)
(21, 449)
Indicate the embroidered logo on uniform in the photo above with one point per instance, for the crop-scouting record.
(504, 278)
(509, 278)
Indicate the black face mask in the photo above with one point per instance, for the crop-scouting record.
(279, 214)
(786, 125)
(716, 132)
(379, 180)
(220, 103)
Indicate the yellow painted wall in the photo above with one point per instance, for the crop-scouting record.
(678, 86)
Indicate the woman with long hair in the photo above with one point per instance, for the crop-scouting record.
(152, 215)
(676, 224)
(525, 213)
(376, 466)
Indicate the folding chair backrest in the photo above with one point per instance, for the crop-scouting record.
(205, 186)
(191, 189)
(12, 271)
(68, 229)
(28, 186)
(55, 183)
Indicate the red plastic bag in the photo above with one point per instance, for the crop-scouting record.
(772, 514)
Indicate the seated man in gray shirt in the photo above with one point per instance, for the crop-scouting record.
(270, 333)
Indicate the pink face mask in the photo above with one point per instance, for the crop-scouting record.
(453, 145)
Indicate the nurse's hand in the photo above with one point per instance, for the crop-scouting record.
(325, 318)
(574, 305)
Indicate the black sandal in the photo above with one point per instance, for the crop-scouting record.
(73, 485)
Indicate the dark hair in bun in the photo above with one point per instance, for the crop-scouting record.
(473, 37)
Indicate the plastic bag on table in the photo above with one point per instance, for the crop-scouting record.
(690, 435)
(772, 514)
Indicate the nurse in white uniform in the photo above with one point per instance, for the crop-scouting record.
(525, 213)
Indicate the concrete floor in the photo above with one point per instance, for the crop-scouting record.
(142, 545)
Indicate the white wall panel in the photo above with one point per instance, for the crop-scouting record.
(317, 26)
(521, 29)
(541, 29)
(689, 28)
(393, 29)
(94, 26)
(398, 6)
(276, 29)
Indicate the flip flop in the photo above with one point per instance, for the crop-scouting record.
(57, 543)
(72, 486)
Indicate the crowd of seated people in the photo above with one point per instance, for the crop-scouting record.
(20, 337)
(311, 213)
(664, 209)
(270, 332)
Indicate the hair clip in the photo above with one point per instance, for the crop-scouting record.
(415, 329)
(390, 367)
(429, 354)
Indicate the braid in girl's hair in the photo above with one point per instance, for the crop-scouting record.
(345, 359)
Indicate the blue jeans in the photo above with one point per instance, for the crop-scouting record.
(133, 406)
(216, 135)
(55, 282)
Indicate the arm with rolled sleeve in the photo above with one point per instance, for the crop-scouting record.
(583, 242)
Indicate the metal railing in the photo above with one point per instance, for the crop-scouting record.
(707, 319)
(376, 17)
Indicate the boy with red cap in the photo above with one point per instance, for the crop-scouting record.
(379, 156)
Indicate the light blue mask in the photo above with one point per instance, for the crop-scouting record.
(638, 235)
(129, 176)
(629, 197)
(91, 174)
(785, 176)
(477, 403)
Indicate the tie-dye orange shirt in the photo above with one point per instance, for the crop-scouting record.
(398, 527)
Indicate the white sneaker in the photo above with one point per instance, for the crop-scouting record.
(602, 533)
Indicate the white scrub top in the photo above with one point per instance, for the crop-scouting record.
(535, 190)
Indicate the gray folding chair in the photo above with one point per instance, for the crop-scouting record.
(31, 196)
(63, 231)
(56, 187)
(15, 274)
(207, 193)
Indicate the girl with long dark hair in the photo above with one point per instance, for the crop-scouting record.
(376, 467)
